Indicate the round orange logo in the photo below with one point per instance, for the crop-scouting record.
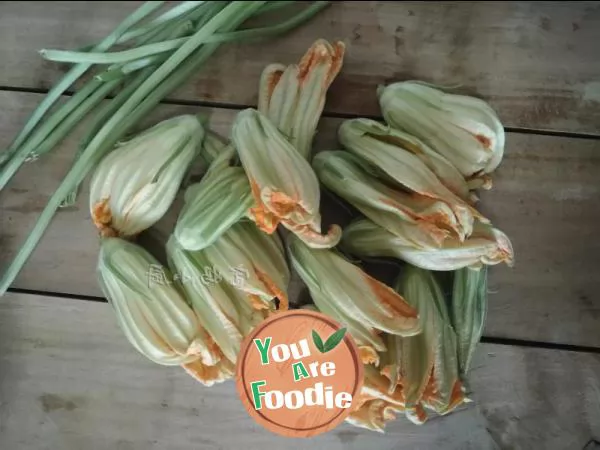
(298, 373)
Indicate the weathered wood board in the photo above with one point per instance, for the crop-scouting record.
(70, 380)
(546, 197)
(536, 62)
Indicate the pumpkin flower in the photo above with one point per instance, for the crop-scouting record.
(464, 129)
(212, 206)
(485, 246)
(216, 311)
(410, 168)
(426, 365)
(284, 186)
(468, 311)
(360, 302)
(221, 309)
(133, 186)
(399, 141)
(293, 97)
(254, 262)
(416, 220)
(152, 313)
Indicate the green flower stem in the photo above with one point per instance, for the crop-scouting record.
(40, 133)
(165, 46)
(274, 6)
(74, 74)
(112, 58)
(169, 16)
(72, 120)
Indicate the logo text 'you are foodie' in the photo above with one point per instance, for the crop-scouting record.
(318, 395)
(298, 373)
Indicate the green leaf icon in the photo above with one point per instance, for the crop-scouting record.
(318, 341)
(332, 341)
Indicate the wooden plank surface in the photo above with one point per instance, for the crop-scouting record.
(70, 380)
(536, 62)
(546, 198)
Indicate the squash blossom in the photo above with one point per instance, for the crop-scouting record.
(485, 246)
(426, 365)
(468, 311)
(342, 290)
(284, 186)
(393, 141)
(215, 310)
(212, 206)
(464, 129)
(254, 262)
(133, 186)
(417, 221)
(152, 313)
(410, 168)
(221, 308)
(293, 97)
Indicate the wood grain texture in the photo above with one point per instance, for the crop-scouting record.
(536, 62)
(546, 197)
(70, 380)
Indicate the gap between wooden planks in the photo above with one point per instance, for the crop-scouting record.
(535, 62)
(545, 198)
(70, 380)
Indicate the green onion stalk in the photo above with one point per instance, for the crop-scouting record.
(184, 61)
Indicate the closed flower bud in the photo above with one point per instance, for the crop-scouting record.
(212, 206)
(208, 295)
(395, 143)
(485, 246)
(293, 97)
(417, 221)
(284, 186)
(466, 130)
(428, 362)
(151, 312)
(409, 168)
(346, 293)
(210, 375)
(253, 262)
(134, 185)
(468, 311)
